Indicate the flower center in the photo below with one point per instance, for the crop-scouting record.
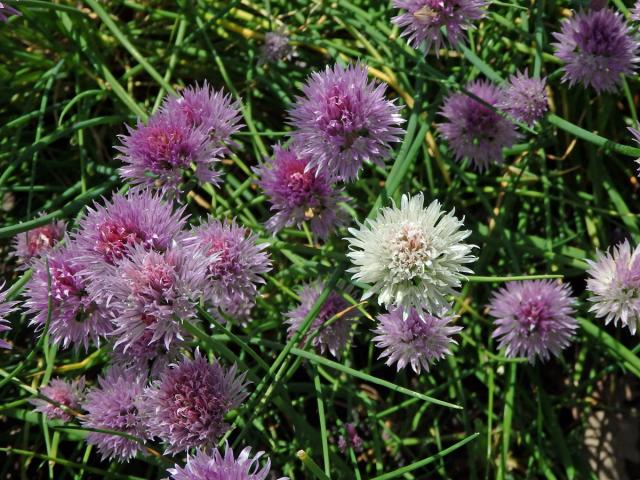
(534, 315)
(226, 262)
(168, 149)
(40, 239)
(340, 119)
(115, 237)
(411, 252)
(436, 12)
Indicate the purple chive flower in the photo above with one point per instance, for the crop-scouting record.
(235, 262)
(187, 406)
(635, 12)
(596, 47)
(276, 47)
(299, 192)
(75, 317)
(474, 130)
(343, 120)
(116, 404)
(614, 285)
(6, 308)
(159, 153)
(108, 232)
(214, 111)
(64, 393)
(6, 11)
(153, 292)
(332, 338)
(30, 245)
(351, 440)
(525, 98)
(424, 20)
(202, 466)
(533, 318)
(418, 340)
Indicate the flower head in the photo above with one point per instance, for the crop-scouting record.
(202, 466)
(276, 47)
(235, 262)
(299, 192)
(333, 337)
(418, 340)
(596, 47)
(474, 130)
(343, 120)
(411, 256)
(202, 107)
(75, 318)
(186, 407)
(614, 285)
(161, 152)
(635, 12)
(62, 392)
(152, 292)
(6, 308)
(6, 11)
(33, 243)
(107, 233)
(533, 318)
(525, 98)
(116, 405)
(424, 20)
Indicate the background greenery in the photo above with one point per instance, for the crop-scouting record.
(74, 72)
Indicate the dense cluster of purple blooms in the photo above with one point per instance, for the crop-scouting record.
(134, 273)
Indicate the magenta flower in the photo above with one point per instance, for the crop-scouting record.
(153, 292)
(116, 405)
(474, 130)
(424, 20)
(418, 340)
(75, 317)
(343, 120)
(186, 407)
(108, 232)
(525, 98)
(614, 285)
(30, 245)
(214, 111)
(330, 338)
(64, 393)
(299, 192)
(596, 47)
(235, 262)
(6, 11)
(6, 308)
(160, 153)
(202, 466)
(533, 318)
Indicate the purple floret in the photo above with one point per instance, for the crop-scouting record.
(6, 308)
(67, 393)
(116, 405)
(33, 243)
(187, 406)
(343, 120)
(534, 318)
(213, 111)
(596, 47)
(331, 338)
(474, 130)
(424, 20)
(276, 47)
(75, 317)
(215, 466)
(413, 338)
(299, 192)
(6, 11)
(525, 98)
(235, 263)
